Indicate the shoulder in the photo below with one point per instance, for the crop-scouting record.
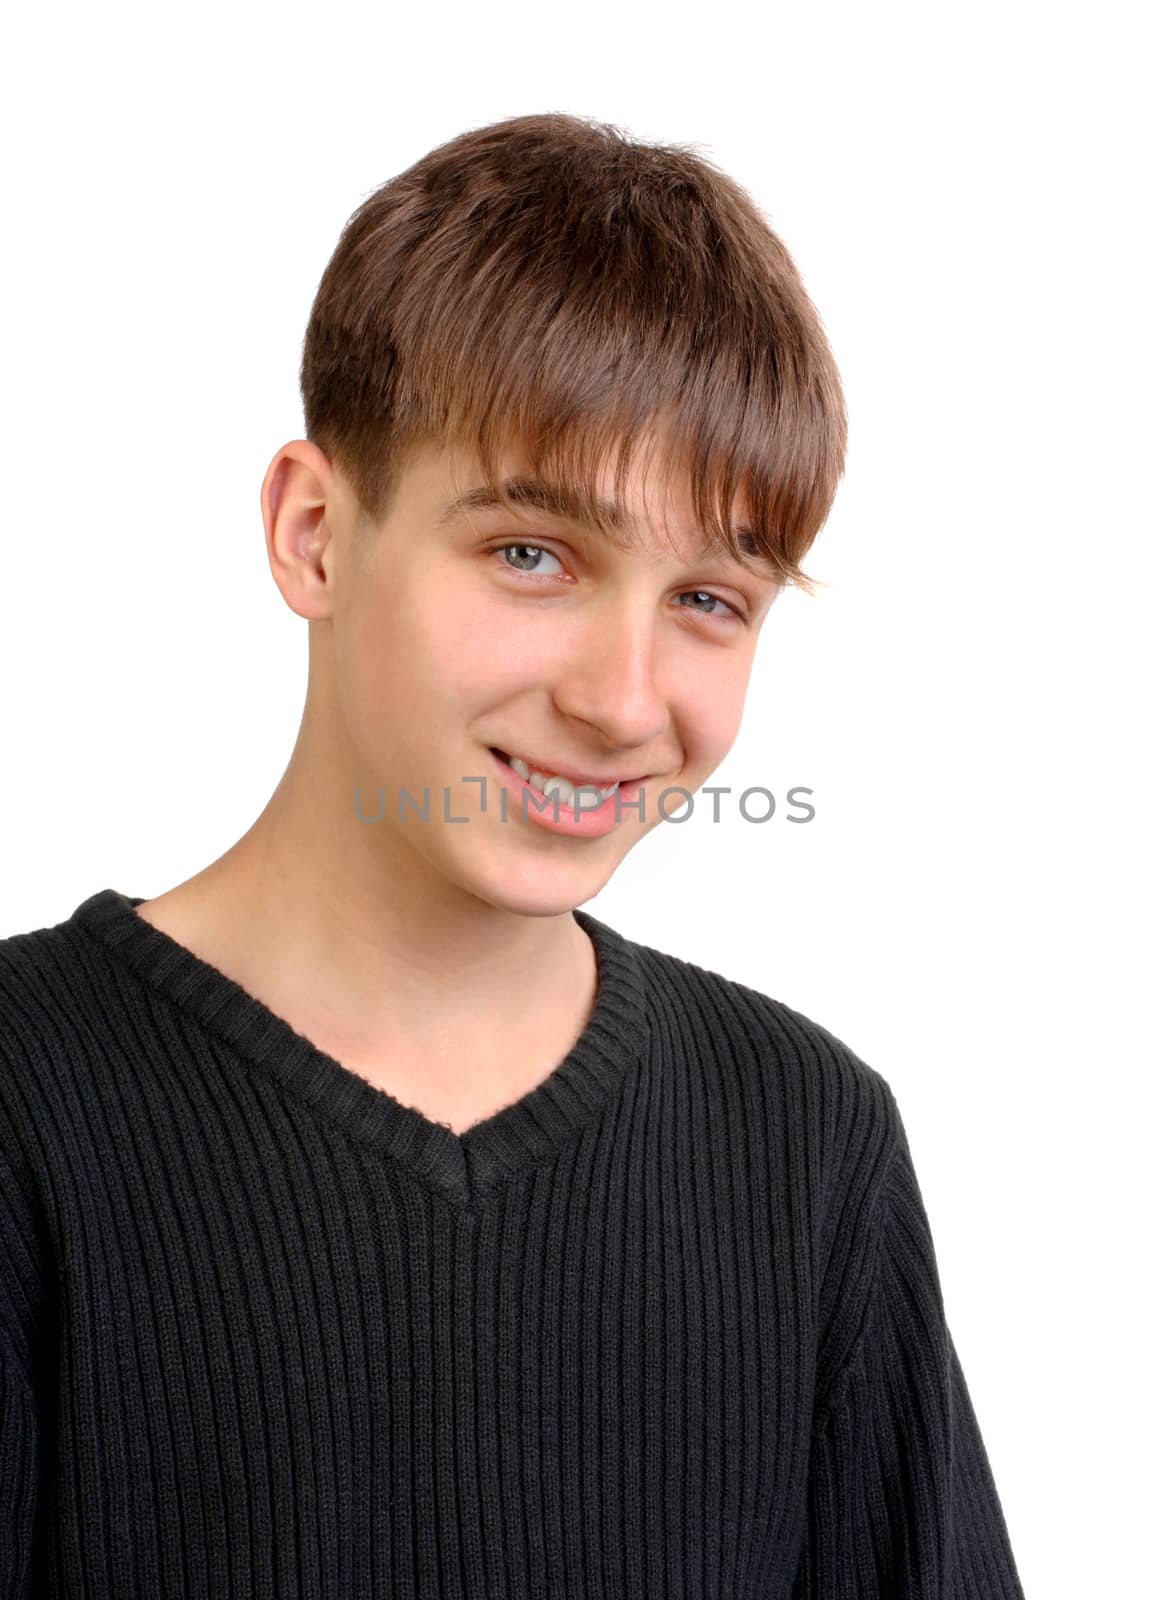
(55, 997)
(35, 970)
(39, 1033)
(43, 975)
(754, 1020)
(827, 1079)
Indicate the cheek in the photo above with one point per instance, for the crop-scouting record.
(386, 680)
(413, 665)
(719, 728)
(375, 655)
(711, 712)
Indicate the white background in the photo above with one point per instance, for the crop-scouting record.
(971, 197)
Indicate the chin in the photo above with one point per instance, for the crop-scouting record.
(538, 890)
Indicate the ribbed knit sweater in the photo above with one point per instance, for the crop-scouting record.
(668, 1326)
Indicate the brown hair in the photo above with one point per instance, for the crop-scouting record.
(545, 279)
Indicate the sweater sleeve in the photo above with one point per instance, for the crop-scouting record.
(901, 1498)
(19, 1430)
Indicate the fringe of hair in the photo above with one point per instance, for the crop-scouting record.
(545, 281)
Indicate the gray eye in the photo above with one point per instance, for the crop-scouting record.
(527, 554)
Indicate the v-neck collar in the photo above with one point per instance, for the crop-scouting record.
(464, 1166)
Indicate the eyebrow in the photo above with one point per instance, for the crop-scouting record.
(558, 500)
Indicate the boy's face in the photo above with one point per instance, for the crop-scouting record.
(446, 637)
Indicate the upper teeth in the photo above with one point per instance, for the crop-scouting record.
(548, 783)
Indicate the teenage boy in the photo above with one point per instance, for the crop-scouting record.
(375, 1221)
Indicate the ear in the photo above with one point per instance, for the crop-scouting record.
(299, 493)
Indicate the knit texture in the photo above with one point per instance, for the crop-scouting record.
(668, 1326)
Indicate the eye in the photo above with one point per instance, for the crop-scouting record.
(525, 551)
(529, 554)
(703, 594)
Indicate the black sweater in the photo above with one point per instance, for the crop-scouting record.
(668, 1326)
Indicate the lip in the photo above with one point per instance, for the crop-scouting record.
(571, 773)
(588, 822)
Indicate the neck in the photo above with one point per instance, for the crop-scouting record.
(369, 949)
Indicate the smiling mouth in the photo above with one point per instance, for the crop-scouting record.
(576, 783)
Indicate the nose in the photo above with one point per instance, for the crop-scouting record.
(610, 680)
